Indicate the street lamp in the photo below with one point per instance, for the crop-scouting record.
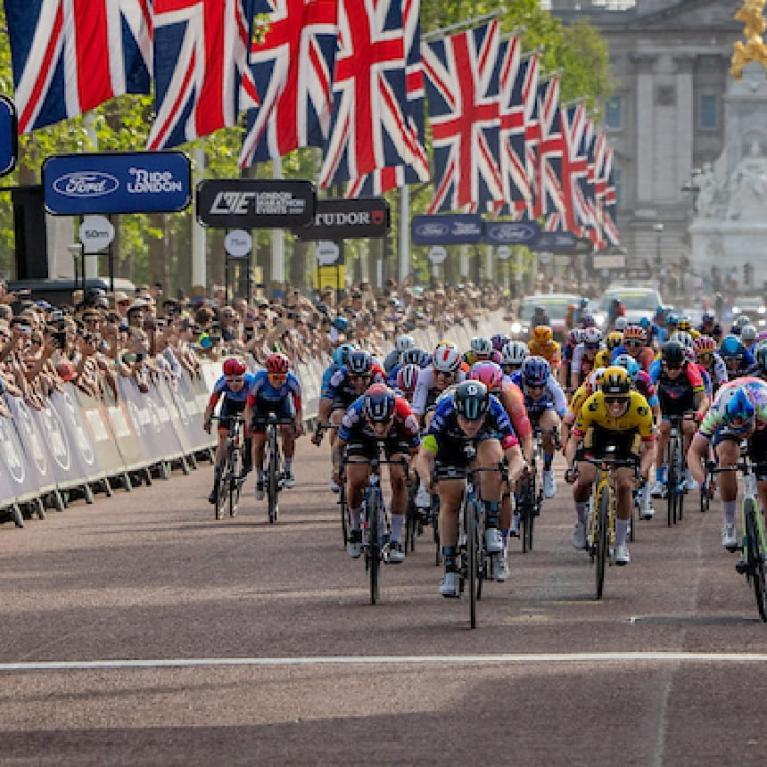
(658, 229)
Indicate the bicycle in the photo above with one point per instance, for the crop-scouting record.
(232, 476)
(601, 535)
(675, 489)
(753, 545)
(273, 470)
(530, 498)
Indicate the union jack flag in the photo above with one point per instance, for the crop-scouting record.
(369, 129)
(385, 179)
(549, 197)
(202, 78)
(292, 68)
(577, 209)
(462, 84)
(609, 199)
(69, 57)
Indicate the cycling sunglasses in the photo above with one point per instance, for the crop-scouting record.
(633, 343)
(616, 401)
(592, 347)
(234, 380)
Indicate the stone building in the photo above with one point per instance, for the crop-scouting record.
(670, 59)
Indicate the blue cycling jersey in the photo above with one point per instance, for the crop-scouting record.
(330, 371)
(221, 388)
(262, 389)
(444, 425)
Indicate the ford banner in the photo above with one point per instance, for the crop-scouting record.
(138, 182)
(511, 232)
(560, 242)
(8, 136)
(247, 203)
(458, 229)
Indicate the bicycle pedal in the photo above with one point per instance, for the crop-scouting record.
(733, 549)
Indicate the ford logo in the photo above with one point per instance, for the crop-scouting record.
(432, 230)
(516, 232)
(86, 184)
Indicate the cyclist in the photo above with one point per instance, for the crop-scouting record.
(499, 340)
(401, 345)
(707, 358)
(468, 414)
(584, 356)
(378, 415)
(740, 322)
(481, 350)
(619, 418)
(710, 327)
(737, 358)
(658, 330)
(414, 356)
(685, 326)
(574, 337)
(276, 389)
(748, 337)
(338, 362)
(512, 357)
(738, 413)
(581, 394)
(680, 390)
(407, 378)
(444, 371)
(542, 344)
(546, 404)
(233, 386)
(613, 342)
(635, 344)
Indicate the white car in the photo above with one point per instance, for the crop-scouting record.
(638, 301)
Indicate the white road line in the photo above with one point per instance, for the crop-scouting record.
(593, 658)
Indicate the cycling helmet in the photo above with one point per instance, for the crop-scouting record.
(645, 323)
(592, 336)
(359, 363)
(403, 343)
(683, 337)
(514, 353)
(446, 359)
(588, 321)
(543, 334)
(684, 324)
(234, 367)
(499, 340)
(704, 345)
(471, 399)
(635, 333)
(535, 371)
(761, 357)
(488, 373)
(629, 363)
(621, 323)
(341, 354)
(445, 342)
(731, 347)
(738, 404)
(615, 382)
(415, 356)
(708, 316)
(672, 319)
(481, 346)
(594, 378)
(575, 336)
(672, 354)
(660, 311)
(407, 378)
(748, 333)
(277, 364)
(742, 320)
(614, 340)
(379, 403)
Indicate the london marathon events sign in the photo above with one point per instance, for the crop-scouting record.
(137, 182)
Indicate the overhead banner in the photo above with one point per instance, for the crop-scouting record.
(246, 203)
(457, 229)
(511, 232)
(122, 182)
(348, 220)
(560, 242)
(9, 145)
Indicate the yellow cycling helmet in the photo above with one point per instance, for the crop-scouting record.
(616, 382)
(614, 339)
(543, 334)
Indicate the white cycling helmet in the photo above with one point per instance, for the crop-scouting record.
(403, 343)
(592, 336)
(446, 359)
(514, 353)
(480, 345)
(621, 323)
(748, 333)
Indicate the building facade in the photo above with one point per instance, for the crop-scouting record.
(670, 60)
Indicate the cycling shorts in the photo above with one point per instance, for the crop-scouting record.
(367, 448)
(283, 409)
(229, 408)
(757, 452)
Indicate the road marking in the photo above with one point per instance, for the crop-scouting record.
(392, 660)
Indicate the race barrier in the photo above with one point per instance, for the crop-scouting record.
(78, 444)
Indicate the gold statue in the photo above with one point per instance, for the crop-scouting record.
(754, 49)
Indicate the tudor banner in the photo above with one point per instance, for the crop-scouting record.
(343, 219)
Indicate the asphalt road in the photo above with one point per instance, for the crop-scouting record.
(257, 645)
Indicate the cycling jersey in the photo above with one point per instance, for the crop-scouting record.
(341, 387)
(717, 371)
(551, 398)
(355, 430)
(550, 351)
(426, 392)
(513, 400)
(602, 358)
(636, 420)
(328, 373)
(716, 422)
(677, 395)
(582, 365)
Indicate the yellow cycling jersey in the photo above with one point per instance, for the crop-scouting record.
(602, 359)
(637, 418)
(550, 351)
(582, 393)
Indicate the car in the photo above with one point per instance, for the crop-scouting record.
(751, 306)
(639, 301)
(555, 305)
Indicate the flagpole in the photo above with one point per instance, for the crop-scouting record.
(442, 32)
(278, 236)
(199, 265)
(404, 234)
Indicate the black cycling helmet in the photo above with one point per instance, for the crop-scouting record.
(414, 356)
(472, 400)
(672, 354)
(379, 403)
(359, 363)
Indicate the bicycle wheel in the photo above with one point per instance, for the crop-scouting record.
(222, 491)
(671, 486)
(754, 556)
(600, 538)
(373, 511)
(705, 499)
(472, 559)
(527, 514)
(435, 530)
(272, 480)
(411, 526)
(344, 512)
(234, 483)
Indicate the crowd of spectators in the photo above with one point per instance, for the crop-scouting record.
(100, 337)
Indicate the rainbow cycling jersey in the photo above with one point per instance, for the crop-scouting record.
(716, 417)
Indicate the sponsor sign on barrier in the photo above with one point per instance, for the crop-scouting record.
(95, 420)
(13, 463)
(68, 408)
(128, 443)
